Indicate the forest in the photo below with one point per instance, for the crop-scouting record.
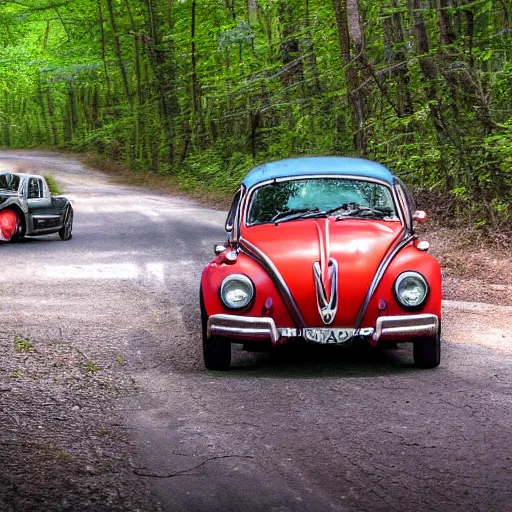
(202, 90)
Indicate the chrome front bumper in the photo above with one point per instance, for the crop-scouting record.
(411, 326)
(243, 328)
(246, 328)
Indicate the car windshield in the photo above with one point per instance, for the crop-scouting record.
(320, 197)
(9, 182)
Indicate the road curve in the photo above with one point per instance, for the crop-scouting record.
(322, 430)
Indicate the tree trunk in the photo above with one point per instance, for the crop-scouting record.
(311, 56)
(118, 51)
(293, 72)
(352, 78)
(104, 60)
(394, 41)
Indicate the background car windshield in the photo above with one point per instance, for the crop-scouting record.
(322, 193)
(9, 182)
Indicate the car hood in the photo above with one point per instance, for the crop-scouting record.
(357, 246)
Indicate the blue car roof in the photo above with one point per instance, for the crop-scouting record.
(325, 165)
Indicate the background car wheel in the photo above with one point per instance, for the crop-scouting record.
(65, 232)
(427, 351)
(20, 230)
(216, 351)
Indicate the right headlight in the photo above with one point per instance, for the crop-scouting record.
(411, 290)
(236, 291)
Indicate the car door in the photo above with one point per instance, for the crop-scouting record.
(43, 217)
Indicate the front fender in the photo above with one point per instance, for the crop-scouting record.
(410, 258)
(215, 272)
(60, 203)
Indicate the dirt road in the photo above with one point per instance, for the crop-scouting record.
(105, 405)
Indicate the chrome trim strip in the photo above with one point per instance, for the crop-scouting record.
(46, 216)
(384, 264)
(326, 308)
(260, 257)
(236, 221)
(406, 325)
(321, 176)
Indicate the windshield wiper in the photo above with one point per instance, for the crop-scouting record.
(299, 213)
(362, 212)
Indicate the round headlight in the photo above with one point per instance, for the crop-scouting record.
(411, 289)
(236, 291)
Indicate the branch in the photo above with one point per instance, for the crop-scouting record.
(185, 471)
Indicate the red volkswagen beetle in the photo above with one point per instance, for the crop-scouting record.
(323, 250)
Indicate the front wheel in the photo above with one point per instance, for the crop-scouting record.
(216, 351)
(65, 232)
(427, 351)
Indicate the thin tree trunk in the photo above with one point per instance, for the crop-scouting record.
(118, 51)
(289, 47)
(447, 32)
(195, 85)
(164, 73)
(311, 56)
(352, 80)
(102, 32)
(397, 55)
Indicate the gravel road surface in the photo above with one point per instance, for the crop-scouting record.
(105, 404)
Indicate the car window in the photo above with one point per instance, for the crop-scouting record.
(232, 211)
(9, 182)
(407, 193)
(35, 188)
(409, 207)
(317, 193)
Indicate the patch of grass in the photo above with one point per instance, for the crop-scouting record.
(52, 184)
(104, 431)
(92, 367)
(62, 454)
(22, 344)
(16, 374)
(120, 360)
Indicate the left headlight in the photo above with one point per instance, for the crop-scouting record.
(411, 290)
(236, 291)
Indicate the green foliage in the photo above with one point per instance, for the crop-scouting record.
(52, 184)
(125, 79)
(91, 367)
(22, 344)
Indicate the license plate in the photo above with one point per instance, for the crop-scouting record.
(328, 336)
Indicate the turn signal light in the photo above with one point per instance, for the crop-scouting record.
(267, 308)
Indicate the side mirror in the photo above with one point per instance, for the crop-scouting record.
(219, 249)
(419, 216)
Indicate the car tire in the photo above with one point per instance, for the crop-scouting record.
(20, 230)
(65, 232)
(216, 350)
(427, 351)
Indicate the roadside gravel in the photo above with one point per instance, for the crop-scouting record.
(63, 445)
(64, 363)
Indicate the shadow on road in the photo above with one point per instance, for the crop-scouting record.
(319, 362)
